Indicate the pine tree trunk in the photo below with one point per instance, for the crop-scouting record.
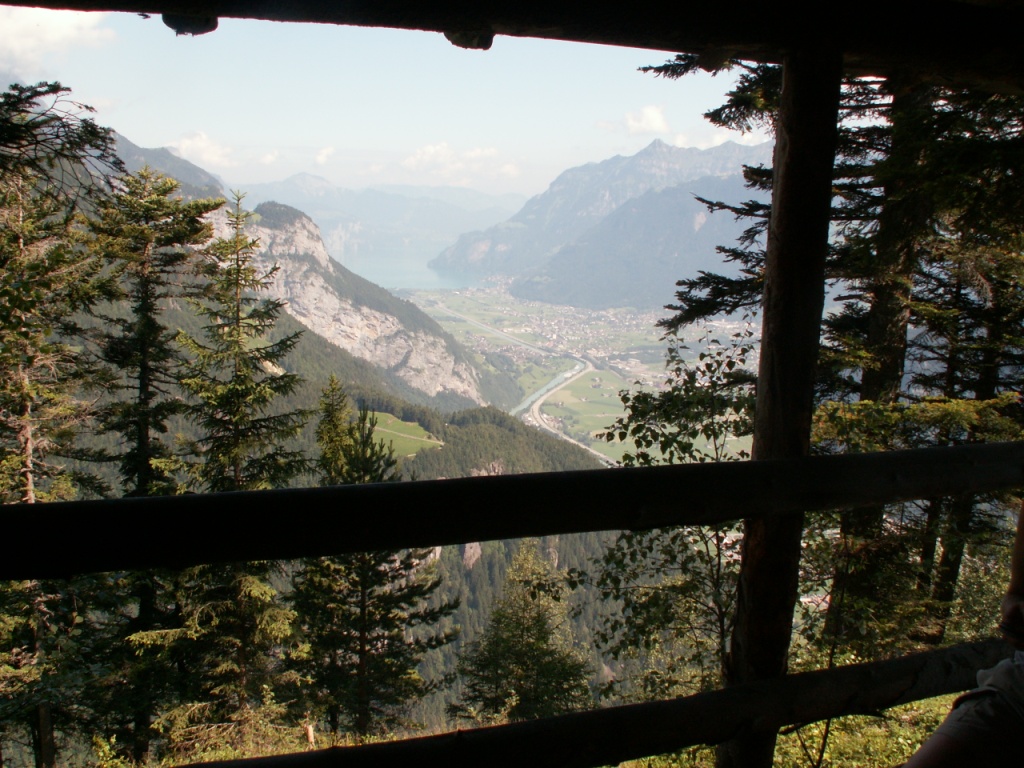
(805, 146)
(947, 574)
(929, 545)
(44, 742)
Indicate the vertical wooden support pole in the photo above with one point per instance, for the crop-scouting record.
(794, 291)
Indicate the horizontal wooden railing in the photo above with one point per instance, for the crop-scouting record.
(177, 531)
(609, 736)
(186, 530)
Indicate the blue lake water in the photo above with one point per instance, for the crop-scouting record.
(397, 274)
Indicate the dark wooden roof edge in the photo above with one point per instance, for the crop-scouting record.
(946, 41)
(179, 531)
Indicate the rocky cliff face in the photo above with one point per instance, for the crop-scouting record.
(351, 313)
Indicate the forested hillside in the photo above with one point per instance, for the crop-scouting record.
(152, 357)
(353, 313)
(486, 441)
(137, 337)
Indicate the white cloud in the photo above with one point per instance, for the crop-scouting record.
(439, 158)
(441, 163)
(648, 121)
(324, 155)
(29, 36)
(269, 158)
(204, 151)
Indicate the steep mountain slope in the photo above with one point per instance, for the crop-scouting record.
(354, 314)
(195, 182)
(359, 317)
(582, 197)
(634, 256)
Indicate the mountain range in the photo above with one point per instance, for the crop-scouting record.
(410, 352)
(615, 233)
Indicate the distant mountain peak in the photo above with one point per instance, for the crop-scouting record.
(309, 183)
(656, 146)
(581, 197)
(310, 178)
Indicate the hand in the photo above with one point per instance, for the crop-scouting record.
(1012, 624)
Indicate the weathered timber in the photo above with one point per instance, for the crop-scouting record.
(794, 296)
(177, 531)
(941, 40)
(609, 736)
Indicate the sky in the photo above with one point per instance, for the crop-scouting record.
(260, 101)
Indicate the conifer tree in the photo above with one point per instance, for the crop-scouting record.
(46, 135)
(233, 622)
(136, 672)
(46, 655)
(366, 459)
(234, 376)
(333, 433)
(525, 665)
(45, 278)
(366, 619)
(150, 238)
(922, 173)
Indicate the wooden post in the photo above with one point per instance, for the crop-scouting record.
(794, 295)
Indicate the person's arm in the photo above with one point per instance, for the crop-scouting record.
(1012, 623)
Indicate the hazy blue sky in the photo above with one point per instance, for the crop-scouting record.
(259, 101)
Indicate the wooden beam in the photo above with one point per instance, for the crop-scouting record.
(794, 296)
(177, 531)
(609, 736)
(939, 40)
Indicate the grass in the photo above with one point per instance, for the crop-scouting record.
(587, 407)
(407, 438)
(853, 742)
(542, 370)
(624, 346)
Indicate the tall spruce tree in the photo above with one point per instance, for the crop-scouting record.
(366, 619)
(150, 238)
(234, 377)
(525, 665)
(233, 622)
(52, 162)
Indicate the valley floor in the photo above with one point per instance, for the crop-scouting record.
(572, 363)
